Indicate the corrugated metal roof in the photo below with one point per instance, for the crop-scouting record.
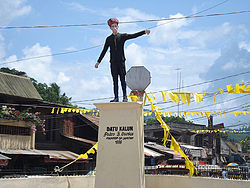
(22, 152)
(162, 149)
(150, 153)
(51, 154)
(60, 155)
(81, 139)
(93, 119)
(17, 86)
(3, 157)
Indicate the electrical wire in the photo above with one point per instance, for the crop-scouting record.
(123, 22)
(63, 53)
(192, 14)
(49, 55)
(192, 85)
(228, 110)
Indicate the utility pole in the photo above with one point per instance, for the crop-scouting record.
(178, 84)
(211, 136)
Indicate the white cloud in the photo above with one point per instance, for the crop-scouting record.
(80, 7)
(136, 55)
(2, 48)
(94, 84)
(71, 48)
(168, 32)
(9, 10)
(61, 78)
(244, 45)
(38, 68)
(203, 38)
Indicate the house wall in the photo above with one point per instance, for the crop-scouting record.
(14, 135)
(14, 142)
(152, 181)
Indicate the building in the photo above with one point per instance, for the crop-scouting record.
(25, 151)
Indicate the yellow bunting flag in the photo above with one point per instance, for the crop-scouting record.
(242, 87)
(247, 89)
(198, 97)
(134, 98)
(214, 96)
(175, 146)
(230, 89)
(215, 113)
(183, 98)
(53, 110)
(185, 114)
(82, 156)
(188, 96)
(237, 88)
(174, 97)
(164, 96)
(153, 95)
(221, 90)
(208, 114)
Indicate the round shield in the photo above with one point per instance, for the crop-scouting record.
(138, 78)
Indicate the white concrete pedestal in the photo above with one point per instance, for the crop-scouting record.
(120, 156)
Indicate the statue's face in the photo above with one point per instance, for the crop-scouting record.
(114, 28)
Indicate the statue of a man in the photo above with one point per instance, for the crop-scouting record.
(117, 58)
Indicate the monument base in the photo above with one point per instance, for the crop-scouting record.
(120, 156)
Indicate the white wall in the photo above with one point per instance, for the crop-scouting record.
(152, 181)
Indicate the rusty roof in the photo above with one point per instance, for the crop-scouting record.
(51, 154)
(81, 139)
(95, 120)
(18, 86)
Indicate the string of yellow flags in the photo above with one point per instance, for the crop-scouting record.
(197, 113)
(59, 110)
(174, 144)
(220, 131)
(92, 150)
(185, 97)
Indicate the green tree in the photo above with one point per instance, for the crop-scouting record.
(245, 144)
(173, 119)
(51, 93)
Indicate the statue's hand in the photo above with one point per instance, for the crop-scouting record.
(97, 64)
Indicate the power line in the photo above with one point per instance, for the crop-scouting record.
(228, 110)
(201, 83)
(124, 22)
(221, 102)
(192, 85)
(49, 55)
(63, 53)
(192, 14)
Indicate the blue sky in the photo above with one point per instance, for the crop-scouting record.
(201, 48)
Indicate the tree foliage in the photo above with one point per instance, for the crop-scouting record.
(50, 93)
(172, 119)
(245, 144)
